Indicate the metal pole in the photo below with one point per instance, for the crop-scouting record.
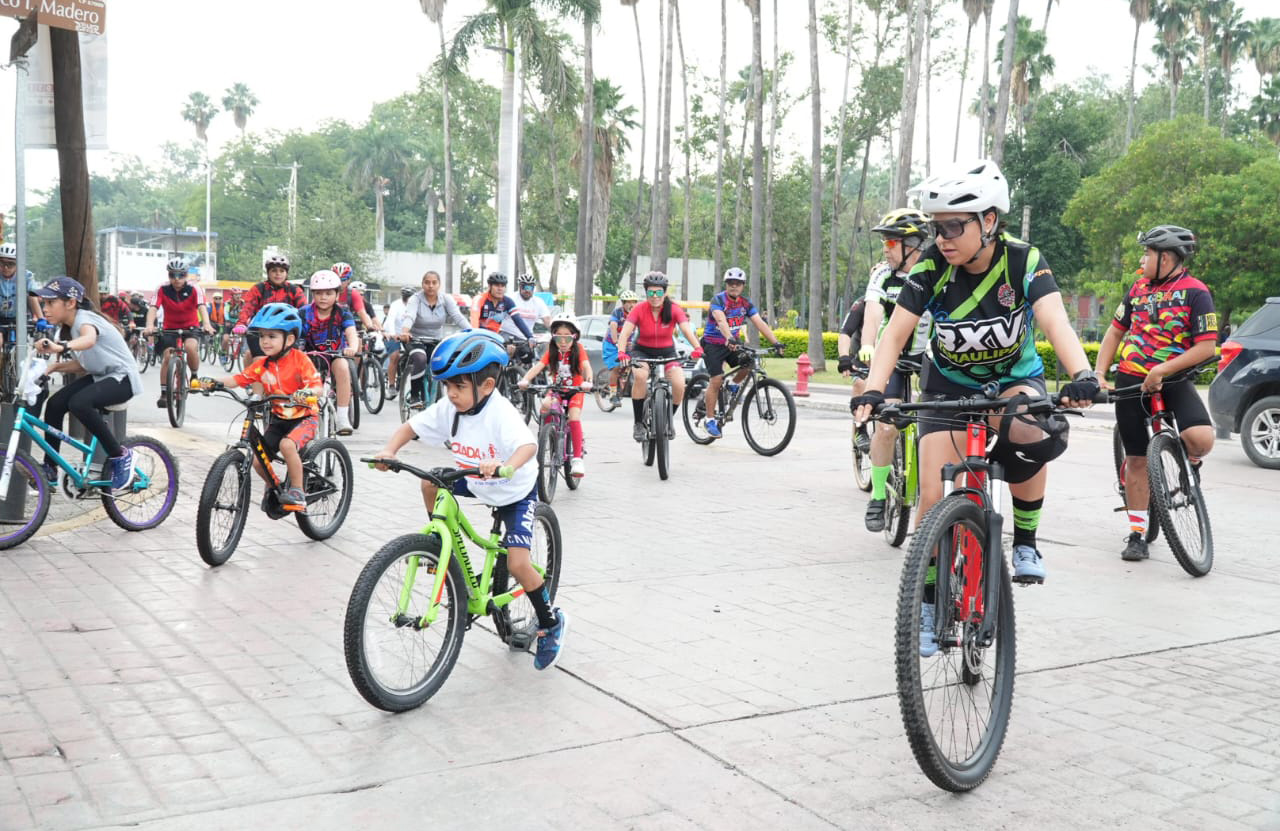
(514, 198)
(208, 191)
(293, 204)
(20, 199)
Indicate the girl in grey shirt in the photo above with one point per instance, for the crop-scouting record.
(111, 376)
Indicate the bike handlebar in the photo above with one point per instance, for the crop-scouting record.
(439, 476)
(208, 386)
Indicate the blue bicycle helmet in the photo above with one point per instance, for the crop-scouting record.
(467, 353)
(280, 316)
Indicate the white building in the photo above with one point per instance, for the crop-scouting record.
(134, 259)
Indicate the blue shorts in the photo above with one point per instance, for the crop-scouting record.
(609, 354)
(517, 518)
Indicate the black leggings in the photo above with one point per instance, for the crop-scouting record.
(82, 398)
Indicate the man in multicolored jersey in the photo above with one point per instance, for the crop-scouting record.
(494, 311)
(727, 315)
(905, 234)
(353, 299)
(1166, 324)
(986, 291)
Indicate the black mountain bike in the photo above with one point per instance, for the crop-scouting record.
(658, 427)
(768, 410)
(372, 378)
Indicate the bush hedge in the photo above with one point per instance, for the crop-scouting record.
(796, 342)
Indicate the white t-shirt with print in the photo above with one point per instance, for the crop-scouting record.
(496, 432)
(530, 310)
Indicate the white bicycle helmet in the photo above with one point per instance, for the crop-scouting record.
(325, 279)
(568, 320)
(177, 266)
(8, 251)
(970, 188)
(628, 296)
(735, 273)
(356, 285)
(275, 261)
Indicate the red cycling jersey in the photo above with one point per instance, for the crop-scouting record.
(651, 332)
(351, 298)
(181, 306)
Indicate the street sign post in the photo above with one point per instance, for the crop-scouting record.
(88, 17)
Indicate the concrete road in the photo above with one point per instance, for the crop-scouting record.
(730, 663)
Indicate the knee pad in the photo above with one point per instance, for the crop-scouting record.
(1021, 455)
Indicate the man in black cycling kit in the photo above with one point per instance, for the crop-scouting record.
(847, 346)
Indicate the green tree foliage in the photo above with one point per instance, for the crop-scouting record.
(1186, 173)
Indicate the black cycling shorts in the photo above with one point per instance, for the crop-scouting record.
(935, 387)
(1132, 413)
(169, 339)
(716, 355)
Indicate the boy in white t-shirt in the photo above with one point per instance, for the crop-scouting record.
(486, 432)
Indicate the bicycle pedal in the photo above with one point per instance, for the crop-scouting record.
(1027, 581)
(520, 641)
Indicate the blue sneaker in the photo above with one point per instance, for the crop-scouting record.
(551, 642)
(928, 638)
(1028, 565)
(713, 428)
(121, 469)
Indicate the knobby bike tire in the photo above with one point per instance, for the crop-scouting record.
(231, 463)
(897, 516)
(648, 447)
(141, 354)
(546, 553)
(322, 461)
(402, 394)
(1182, 510)
(26, 468)
(373, 385)
(861, 461)
(353, 404)
(662, 444)
(1119, 457)
(600, 391)
(363, 628)
(566, 455)
(548, 462)
(922, 681)
(763, 406)
(177, 401)
(149, 455)
(694, 402)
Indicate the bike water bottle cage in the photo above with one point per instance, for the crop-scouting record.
(1028, 442)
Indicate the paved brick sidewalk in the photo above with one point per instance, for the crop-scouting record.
(730, 666)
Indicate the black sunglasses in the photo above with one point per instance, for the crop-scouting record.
(950, 228)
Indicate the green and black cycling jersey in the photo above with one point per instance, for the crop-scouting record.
(983, 324)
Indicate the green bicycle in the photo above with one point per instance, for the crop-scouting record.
(403, 633)
(902, 491)
(144, 503)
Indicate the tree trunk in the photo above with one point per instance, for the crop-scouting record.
(688, 191)
(910, 94)
(857, 211)
(1204, 70)
(984, 102)
(73, 166)
(928, 90)
(720, 140)
(837, 181)
(506, 173)
(450, 281)
(757, 164)
(1173, 85)
(662, 224)
(770, 308)
(1133, 69)
(379, 219)
(587, 158)
(817, 353)
(557, 237)
(429, 239)
(644, 131)
(964, 75)
(1006, 76)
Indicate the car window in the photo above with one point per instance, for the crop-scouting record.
(1266, 319)
(595, 329)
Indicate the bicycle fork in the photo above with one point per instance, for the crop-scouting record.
(11, 452)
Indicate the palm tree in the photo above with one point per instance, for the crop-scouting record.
(757, 157)
(972, 10)
(1233, 35)
(586, 166)
(1266, 110)
(379, 156)
(1030, 65)
(1171, 21)
(516, 29)
(817, 353)
(837, 182)
(721, 138)
(644, 129)
(910, 93)
(434, 10)
(774, 88)
(661, 232)
(1047, 10)
(612, 123)
(688, 178)
(240, 102)
(1205, 13)
(1263, 45)
(1140, 11)
(1010, 44)
(984, 121)
(199, 111)
(422, 168)
(1176, 57)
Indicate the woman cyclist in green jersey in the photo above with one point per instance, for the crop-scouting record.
(986, 291)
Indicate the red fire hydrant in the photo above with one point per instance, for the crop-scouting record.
(804, 368)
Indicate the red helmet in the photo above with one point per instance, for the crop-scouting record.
(123, 294)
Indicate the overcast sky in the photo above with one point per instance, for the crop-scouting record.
(323, 59)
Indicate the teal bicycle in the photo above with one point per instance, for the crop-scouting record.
(416, 598)
(144, 503)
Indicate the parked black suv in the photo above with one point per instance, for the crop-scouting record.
(1244, 398)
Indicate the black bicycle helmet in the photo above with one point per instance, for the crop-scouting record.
(1170, 238)
(496, 279)
(903, 223)
(406, 292)
(655, 278)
